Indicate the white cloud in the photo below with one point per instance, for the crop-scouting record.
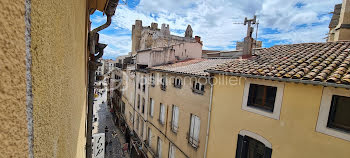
(213, 20)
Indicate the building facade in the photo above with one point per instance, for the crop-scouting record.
(294, 105)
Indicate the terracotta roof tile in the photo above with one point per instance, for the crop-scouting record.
(322, 62)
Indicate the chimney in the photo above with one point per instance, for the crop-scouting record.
(248, 40)
(198, 39)
(342, 31)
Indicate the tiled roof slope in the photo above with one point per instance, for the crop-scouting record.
(192, 66)
(316, 62)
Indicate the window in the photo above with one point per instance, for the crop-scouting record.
(171, 150)
(143, 105)
(130, 115)
(175, 119)
(137, 122)
(339, 113)
(141, 129)
(333, 118)
(144, 84)
(193, 138)
(262, 97)
(248, 147)
(161, 114)
(163, 85)
(122, 107)
(151, 107)
(138, 101)
(197, 88)
(159, 148)
(149, 138)
(152, 80)
(177, 82)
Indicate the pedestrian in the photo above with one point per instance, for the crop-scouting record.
(125, 148)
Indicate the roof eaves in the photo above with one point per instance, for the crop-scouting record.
(326, 84)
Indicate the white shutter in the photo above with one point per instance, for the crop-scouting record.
(161, 113)
(149, 137)
(194, 130)
(175, 117)
(152, 107)
(172, 151)
(159, 147)
(197, 128)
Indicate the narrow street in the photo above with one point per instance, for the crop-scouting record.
(114, 143)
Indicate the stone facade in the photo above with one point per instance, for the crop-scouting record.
(339, 27)
(153, 37)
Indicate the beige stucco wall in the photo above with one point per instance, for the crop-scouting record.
(293, 135)
(59, 70)
(188, 102)
(13, 133)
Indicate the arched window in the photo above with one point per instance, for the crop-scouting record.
(252, 145)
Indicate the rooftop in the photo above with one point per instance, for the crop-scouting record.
(191, 66)
(315, 63)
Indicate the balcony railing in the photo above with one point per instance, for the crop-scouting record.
(191, 140)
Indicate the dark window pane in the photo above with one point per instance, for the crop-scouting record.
(253, 148)
(339, 113)
(262, 97)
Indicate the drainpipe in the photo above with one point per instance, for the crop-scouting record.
(95, 48)
(209, 114)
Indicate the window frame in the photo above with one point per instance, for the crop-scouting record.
(159, 147)
(172, 150)
(242, 149)
(161, 114)
(324, 111)
(174, 127)
(151, 110)
(191, 140)
(177, 82)
(275, 114)
(163, 83)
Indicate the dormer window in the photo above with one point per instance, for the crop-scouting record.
(198, 87)
(177, 82)
(163, 85)
(152, 80)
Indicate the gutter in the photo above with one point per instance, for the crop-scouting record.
(209, 115)
(95, 48)
(326, 84)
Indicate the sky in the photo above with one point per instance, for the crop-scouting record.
(217, 22)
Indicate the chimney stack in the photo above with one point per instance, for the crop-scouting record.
(198, 39)
(248, 40)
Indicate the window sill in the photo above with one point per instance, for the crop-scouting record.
(178, 86)
(197, 91)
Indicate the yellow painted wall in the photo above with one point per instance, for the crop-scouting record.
(59, 70)
(292, 136)
(188, 102)
(13, 120)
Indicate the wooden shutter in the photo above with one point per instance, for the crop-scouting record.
(268, 152)
(239, 147)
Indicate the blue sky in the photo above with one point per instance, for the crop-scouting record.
(281, 21)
